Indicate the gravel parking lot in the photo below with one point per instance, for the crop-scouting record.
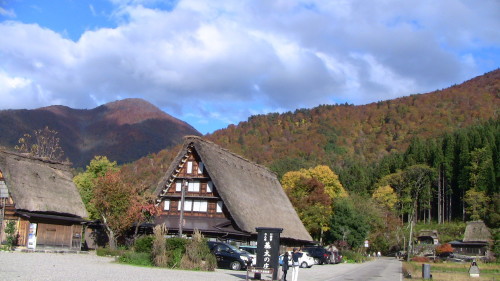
(50, 266)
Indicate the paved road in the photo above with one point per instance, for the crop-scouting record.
(45, 266)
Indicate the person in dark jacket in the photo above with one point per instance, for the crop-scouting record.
(284, 265)
(296, 255)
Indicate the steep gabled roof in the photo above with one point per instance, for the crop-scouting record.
(39, 185)
(477, 231)
(252, 194)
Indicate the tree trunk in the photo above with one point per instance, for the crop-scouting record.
(110, 233)
(439, 196)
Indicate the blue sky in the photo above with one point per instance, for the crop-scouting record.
(215, 63)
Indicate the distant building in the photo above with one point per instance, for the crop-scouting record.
(476, 242)
(40, 197)
(226, 196)
(429, 237)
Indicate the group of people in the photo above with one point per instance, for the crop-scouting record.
(295, 256)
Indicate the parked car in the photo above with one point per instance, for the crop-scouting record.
(228, 256)
(251, 251)
(305, 261)
(319, 254)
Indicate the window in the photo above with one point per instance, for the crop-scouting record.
(188, 205)
(166, 205)
(200, 168)
(194, 205)
(210, 187)
(178, 186)
(194, 186)
(190, 167)
(219, 206)
(200, 206)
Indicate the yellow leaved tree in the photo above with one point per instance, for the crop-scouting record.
(312, 192)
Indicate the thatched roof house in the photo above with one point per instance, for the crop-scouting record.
(476, 242)
(251, 195)
(477, 231)
(40, 192)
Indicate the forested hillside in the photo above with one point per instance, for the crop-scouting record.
(451, 131)
(420, 159)
(342, 135)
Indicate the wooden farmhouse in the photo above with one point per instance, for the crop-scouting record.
(225, 196)
(476, 242)
(41, 198)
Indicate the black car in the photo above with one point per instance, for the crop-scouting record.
(319, 254)
(229, 256)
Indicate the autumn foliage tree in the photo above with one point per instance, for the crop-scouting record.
(86, 181)
(119, 205)
(43, 143)
(311, 192)
(112, 198)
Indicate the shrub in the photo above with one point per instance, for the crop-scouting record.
(176, 243)
(445, 248)
(159, 252)
(420, 259)
(136, 258)
(144, 244)
(109, 252)
(353, 257)
(176, 247)
(10, 230)
(198, 255)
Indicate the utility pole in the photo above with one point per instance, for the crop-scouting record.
(183, 195)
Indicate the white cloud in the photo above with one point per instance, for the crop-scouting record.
(234, 58)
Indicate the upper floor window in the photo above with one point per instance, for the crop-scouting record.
(194, 186)
(200, 168)
(219, 206)
(178, 186)
(189, 167)
(194, 205)
(166, 204)
(210, 187)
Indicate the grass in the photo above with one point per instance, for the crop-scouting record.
(454, 271)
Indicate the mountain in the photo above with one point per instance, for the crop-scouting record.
(123, 130)
(350, 139)
(336, 134)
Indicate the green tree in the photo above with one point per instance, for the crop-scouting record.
(86, 181)
(417, 192)
(347, 223)
(477, 204)
(481, 171)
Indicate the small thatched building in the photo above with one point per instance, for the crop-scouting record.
(226, 196)
(477, 238)
(40, 196)
(429, 237)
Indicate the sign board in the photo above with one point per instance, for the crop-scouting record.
(259, 270)
(268, 245)
(367, 244)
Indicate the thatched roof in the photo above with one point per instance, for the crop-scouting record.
(476, 231)
(428, 233)
(39, 185)
(252, 194)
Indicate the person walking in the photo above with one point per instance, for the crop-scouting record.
(284, 266)
(296, 255)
